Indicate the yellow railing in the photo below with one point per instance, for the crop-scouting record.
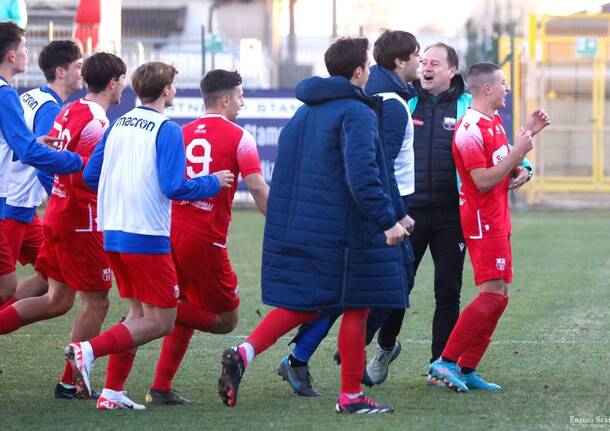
(563, 68)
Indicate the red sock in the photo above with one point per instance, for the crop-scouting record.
(473, 355)
(275, 324)
(115, 340)
(472, 322)
(9, 320)
(352, 338)
(193, 316)
(174, 347)
(117, 371)
(66, 378)
(4, 304)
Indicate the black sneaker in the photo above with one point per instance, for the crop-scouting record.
(362, 405)
(233, 367)
(170, 398)
(298, 378)
(61, 392)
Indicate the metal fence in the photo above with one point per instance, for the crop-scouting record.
(186, 55)
(567, 75)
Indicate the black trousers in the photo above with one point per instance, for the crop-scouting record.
(440, 230)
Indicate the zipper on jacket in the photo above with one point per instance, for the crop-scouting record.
(430, 142)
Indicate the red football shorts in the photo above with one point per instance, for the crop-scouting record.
(25, 239)
(77, 259)
(7, 261)
(491, 259)
(148, 278)
(205, 274)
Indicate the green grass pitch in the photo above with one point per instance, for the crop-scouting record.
(551, 352)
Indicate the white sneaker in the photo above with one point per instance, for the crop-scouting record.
(115, 400)
(80, 357)
(378, 368)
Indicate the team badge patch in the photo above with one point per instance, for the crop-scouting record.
(449, 123)
(500, 263)
(107, 274)
(499, 154)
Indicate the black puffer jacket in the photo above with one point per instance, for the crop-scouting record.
(434, 124)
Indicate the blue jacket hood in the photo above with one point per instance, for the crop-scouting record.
(383, 80)
(315, 90)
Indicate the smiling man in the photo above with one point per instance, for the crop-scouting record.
(486, 163)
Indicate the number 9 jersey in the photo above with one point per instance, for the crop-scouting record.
(213, 143)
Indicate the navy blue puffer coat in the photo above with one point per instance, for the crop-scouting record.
(329, 204)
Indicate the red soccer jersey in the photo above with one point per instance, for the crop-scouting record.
(213, 143)
(80, 126)
(480, 142)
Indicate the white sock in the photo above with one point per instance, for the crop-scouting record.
(111, 394)
(249, 351)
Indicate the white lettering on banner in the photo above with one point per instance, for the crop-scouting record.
(267, 169)
(254, 108)
(264, 136)
(185, 107)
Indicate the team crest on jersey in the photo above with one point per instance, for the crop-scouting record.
(500, 154)
(500, 263)
(106, 274)
(200, 129)
(449, 123)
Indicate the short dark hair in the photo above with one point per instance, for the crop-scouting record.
(217, 83)
(149, 80)
(10, 36)
(392, 45)
(479, 69)
(452, 57)
(344, 55)
(100, 69)
(59, 53)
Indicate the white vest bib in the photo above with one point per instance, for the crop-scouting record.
(6, 155)
(129, 195)
(404, 166)
(25, 189)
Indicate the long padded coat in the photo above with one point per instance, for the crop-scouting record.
(324, 245)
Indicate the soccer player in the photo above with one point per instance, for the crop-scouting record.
(329, 222)
(139, 168)
(439, 101)
(72, 256)
(208, 284)
(397, 56)
(486, 164)
(61, 63)
(16, 139)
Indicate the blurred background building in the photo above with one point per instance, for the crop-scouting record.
(554, 53)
